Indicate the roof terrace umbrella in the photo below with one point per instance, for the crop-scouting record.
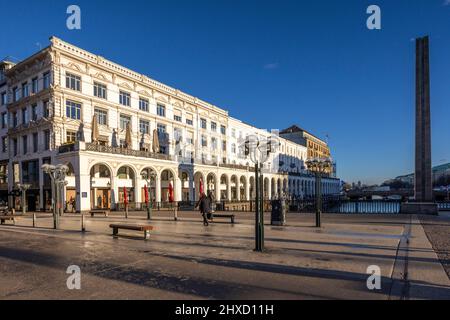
(155, 144)
(128, 135)
(94, 129)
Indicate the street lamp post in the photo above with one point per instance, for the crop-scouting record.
(259, 152)
(318, 166)
(23, 188)
(148, 179)
(58, 176)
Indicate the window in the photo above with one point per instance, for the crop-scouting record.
(124, 98)
(35, 142)
(25, 144)
(161, 128)
(73, 110)
(223, 130)
(161, 110)
(34, 85)
(46, 77)
(203, 123)
(177, 115)
(71, 136)
(189, 119)
(16, 92)
(99, 90)
(233, 148)
(190, 137)
(102, 116)
(143, 104)
(34, 112)
(4, 99)
(224, 146)
(213, 143)
(4, 120)
(25, 117)
(124, 121)
(213, 126)
(25, 91)
(204, 141)
(15, 119)
(5, 144)
(15, 146)
(46, 139)
(46, 109)
(178, 134)
(73, 82)
(144, 126)
(233, 133)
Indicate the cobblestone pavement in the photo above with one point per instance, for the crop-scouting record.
(437, 229)
(185, 260)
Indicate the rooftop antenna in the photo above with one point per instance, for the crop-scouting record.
(327, 138)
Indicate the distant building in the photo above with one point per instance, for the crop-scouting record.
(52, 101)
(316, 147)
(437, 173)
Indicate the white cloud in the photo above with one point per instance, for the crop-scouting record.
(272, 66)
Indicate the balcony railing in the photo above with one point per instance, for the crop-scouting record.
(126, 152)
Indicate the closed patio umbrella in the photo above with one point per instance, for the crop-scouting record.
(146, 194)
(95, 133)
(201, 187)
(125, 201)
(155, 144)
(170, 192)
(125, 196)
(128, 136)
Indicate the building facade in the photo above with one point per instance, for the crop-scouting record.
(52, 100)
(316, 148)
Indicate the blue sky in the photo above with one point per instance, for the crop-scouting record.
(274, 63)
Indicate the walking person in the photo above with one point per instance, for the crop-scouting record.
(210, 212)
(204, 206)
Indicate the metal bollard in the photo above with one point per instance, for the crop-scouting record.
(83, 227)
(34, 220)
(175, 214)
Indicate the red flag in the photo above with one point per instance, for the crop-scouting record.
(170, 192)
(201, 187)
(125, 196)
(146, 194)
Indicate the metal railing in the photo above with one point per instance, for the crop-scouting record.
(126, 152)
(444, 206)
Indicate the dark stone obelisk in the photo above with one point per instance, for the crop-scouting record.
(423, 186)
(423, 181)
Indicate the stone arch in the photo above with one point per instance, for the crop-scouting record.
(234, 184)
(167, 178)
(224, 180)
(101, 194)
(243, 188)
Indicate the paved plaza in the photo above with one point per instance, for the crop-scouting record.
(185, 260)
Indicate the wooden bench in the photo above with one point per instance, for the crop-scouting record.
(227, 216)
(142, 228)
(103, 212)
(5, 218)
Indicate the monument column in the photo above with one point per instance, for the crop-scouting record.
(423, 186)
(423, 179)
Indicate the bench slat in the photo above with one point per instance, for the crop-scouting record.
(132, 227)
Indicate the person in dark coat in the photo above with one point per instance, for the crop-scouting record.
(211, 203)
(204, 205)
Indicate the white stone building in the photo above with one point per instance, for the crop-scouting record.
(48, 103)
